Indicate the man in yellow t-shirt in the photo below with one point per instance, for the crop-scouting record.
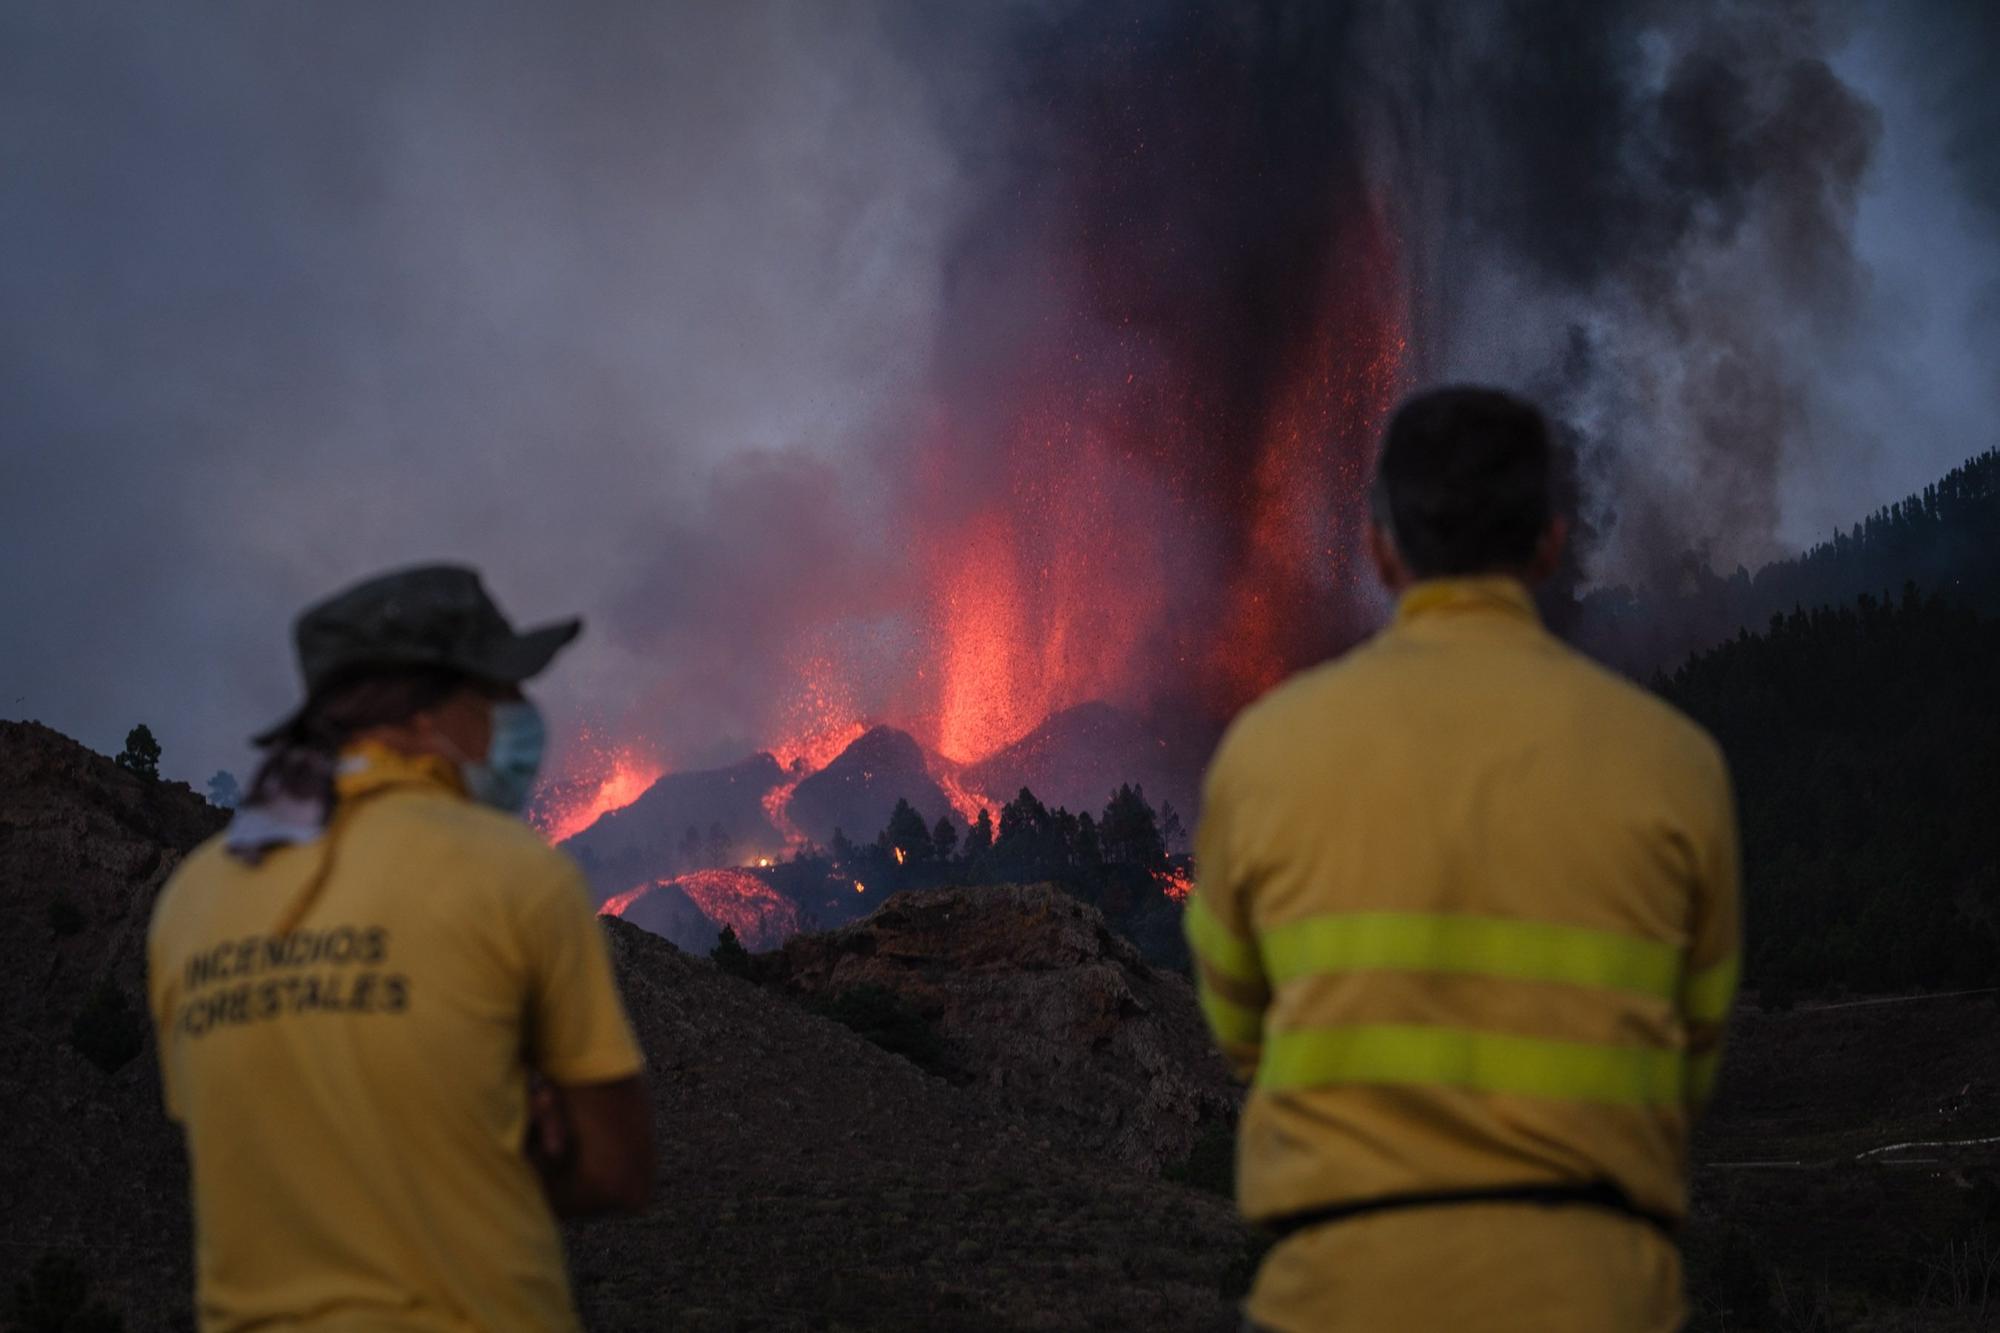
(385, 1013)
(1466, 915)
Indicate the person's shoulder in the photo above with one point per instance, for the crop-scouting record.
(1302, 706)
(494, 843)
(197, 872)
(1641, 717)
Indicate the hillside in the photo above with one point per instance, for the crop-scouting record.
(1865, 743)
(1945, 539)
(808, 1178)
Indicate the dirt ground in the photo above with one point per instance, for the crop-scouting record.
(1840, 1182)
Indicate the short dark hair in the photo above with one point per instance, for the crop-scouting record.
(1466, 482)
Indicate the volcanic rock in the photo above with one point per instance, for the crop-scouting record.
(93, 1166)
(669, 913)
(647, 839)
(1053, 1015)
(857, 791)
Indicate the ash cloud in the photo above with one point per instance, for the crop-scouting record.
(683, 318)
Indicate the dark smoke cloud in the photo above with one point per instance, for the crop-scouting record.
(656, 312)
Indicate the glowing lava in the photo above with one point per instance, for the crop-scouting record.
(616, 905)
(616, 778)
(761, 917)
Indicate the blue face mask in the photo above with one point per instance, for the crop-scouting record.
(506, 778)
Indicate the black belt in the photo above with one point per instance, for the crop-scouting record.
(1597, 1194)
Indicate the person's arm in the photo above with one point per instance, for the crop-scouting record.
(591, 1121)
(1229, 975)
(592, 1144)
(1715, 947)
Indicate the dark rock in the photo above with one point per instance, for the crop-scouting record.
(1049, 1011)
(857, 791)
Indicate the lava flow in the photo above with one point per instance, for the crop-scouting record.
(761, 917)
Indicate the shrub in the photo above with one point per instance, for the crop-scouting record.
(730, 956)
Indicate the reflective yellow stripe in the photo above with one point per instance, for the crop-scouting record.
(1707, 994)
(1232, 1023)
(1702, 1070)
(1232, 957)
(1479, 945)
(1480, 1061)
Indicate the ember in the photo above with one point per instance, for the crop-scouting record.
(611, 778)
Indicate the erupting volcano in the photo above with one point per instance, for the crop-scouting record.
(1128, 502)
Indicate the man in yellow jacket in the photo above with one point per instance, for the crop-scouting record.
(385, 1013)
(1466, 917)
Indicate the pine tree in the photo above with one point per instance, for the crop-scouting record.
(908, 834)
(944, 838)
(729, 954)
(1130, 832)
(979, 839)
(141, 754)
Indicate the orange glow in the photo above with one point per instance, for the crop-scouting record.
(1177, 885)
(1314, 461)
(616, 906)
(613, 778)
(859, 887)
(761, 917)
(820, 722)
(964, 800)
(900, 858)
(1045, 600)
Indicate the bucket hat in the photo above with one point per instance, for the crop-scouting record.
(428, 615)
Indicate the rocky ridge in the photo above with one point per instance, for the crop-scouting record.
(1042, 1007)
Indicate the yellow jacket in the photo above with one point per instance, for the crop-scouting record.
(1466, 915)
(353, 1083)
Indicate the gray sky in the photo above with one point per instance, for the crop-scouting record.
(622, 310)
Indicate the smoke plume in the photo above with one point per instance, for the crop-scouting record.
(937, 364)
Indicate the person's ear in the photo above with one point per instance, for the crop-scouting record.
(1389, 566)
(1549, 550)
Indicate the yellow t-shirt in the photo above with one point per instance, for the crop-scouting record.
(354, 1091)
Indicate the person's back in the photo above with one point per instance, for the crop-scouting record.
(348, 1024)
(1466, 915)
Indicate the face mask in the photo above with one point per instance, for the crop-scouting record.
(513, 758)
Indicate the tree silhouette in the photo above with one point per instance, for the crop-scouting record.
(944, 838)
(141, 754)
(1130, 832)
(223, 793)
(979, 838)
(907, 833)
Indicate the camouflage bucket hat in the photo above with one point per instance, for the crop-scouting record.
(432, 615)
